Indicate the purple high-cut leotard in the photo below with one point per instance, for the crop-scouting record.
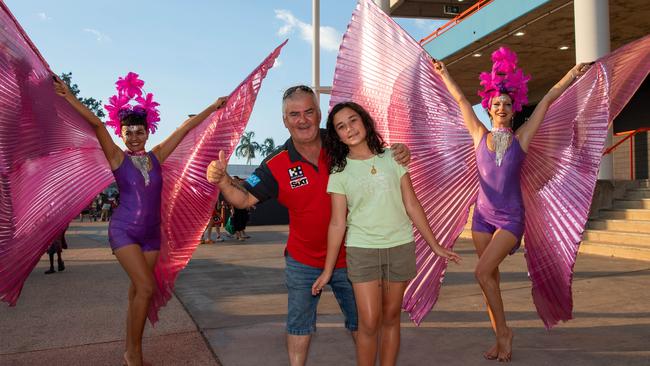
(499, 204)
(137, 219)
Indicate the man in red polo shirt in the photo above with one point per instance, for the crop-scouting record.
(297, 173)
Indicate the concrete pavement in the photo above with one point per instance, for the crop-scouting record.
(77, 317)
(230, 308)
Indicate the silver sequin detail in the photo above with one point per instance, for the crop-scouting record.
(501, 139)
(141, 162)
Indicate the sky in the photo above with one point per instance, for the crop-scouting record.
(191, 52)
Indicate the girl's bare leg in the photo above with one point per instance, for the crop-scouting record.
(369, 308)
(393, 293)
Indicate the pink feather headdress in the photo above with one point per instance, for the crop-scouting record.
(119, 106)
(505, 78)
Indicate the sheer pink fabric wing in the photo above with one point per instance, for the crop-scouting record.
(47, 152)
(188, 198)
(383, 69)
(561, 168)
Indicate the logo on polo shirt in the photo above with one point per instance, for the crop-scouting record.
(297, 177)
(253, 180)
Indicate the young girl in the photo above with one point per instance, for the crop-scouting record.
(378, 197)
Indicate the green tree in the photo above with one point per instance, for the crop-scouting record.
(92, 103)
(247, 147)
(267, 147)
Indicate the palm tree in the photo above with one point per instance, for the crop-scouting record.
(267, 146)
(247, 147)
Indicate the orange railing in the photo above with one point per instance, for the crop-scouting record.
(629, 136)
(450, 24)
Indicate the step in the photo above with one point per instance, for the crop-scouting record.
(633, 226)
(617, 237)
(637, 193)
(644, 183)
(628, 251)
(627, 214)
(643, 203)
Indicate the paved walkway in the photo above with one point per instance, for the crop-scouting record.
(77, 317)
(234, 294)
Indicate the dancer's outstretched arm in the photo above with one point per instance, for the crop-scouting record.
(474, 126)
(112, 152)
(526, 132)
(165, 148)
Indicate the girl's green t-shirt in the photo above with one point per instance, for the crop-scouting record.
(376, 214)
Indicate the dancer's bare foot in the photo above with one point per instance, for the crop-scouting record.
(127, 362)
(132, 361)
(504, 345)
(491, 354)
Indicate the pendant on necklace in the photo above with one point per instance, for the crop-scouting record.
(373, 171)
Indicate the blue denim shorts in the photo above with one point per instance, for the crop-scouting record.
(301, 314)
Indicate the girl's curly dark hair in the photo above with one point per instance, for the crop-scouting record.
(337, 150)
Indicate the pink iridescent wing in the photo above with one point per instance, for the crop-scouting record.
(383, 69)
(187, 197)
(561, 168)
(51, 165)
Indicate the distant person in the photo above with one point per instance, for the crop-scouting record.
(214, 223)
(106, 211)
(240, 218)
(58, 244)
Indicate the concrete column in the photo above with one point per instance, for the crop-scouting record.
(383, 5)
(592, 42)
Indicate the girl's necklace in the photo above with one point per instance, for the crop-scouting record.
(373, 171)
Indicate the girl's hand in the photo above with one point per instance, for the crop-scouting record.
(320, 283)
(59, 87)
(446, 253)
(579, 69)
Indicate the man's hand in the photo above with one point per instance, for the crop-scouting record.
(217, 170)
(401, 154)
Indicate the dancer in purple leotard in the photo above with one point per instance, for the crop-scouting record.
(499, 204)
(134, 230)
(498, 221)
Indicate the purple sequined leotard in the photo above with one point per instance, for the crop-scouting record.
(137, 219)
(499, 204)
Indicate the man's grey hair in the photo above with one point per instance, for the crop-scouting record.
(296, 90)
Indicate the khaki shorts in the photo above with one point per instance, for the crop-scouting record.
(396, 264)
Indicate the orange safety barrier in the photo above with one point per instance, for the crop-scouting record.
(629, 136)
(474, 8)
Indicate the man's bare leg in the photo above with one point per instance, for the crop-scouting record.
(298, 348)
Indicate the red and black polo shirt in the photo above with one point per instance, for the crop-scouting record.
(302, 188)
